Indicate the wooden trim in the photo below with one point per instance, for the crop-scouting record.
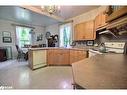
(23, 25)
(120, 12)
(118, 22)
(102, 27)
(71, 21)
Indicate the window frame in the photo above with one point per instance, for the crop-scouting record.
(17, 35)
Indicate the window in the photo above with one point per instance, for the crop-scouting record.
(65, 35)
(23, 36)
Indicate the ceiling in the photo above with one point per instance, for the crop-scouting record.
(24, 16)
(72, 11)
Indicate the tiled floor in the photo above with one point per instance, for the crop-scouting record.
(19, 76)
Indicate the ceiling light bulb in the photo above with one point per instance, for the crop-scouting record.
(42, 7)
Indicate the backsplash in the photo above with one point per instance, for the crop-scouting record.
(81, 44)
(101, 39)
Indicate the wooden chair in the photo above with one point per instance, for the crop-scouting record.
(21, 54)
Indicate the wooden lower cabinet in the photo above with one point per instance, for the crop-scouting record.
(65, 56)
(58, 57)
(77, 55)
(41, 58)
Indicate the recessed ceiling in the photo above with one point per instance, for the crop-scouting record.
(25, 16)
(72, 11)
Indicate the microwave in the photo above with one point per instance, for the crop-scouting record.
(90, 42)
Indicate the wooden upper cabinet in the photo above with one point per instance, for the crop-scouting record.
(100, 20)
(79, 31)
(115, 12)
(84, 31)
(89, 30)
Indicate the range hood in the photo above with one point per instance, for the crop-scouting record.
(108, 32)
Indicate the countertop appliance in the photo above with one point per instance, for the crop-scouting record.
(90, 43)
(111, 47)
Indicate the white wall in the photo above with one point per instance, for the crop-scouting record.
(53, 29)
(90, 15)
(7, 26)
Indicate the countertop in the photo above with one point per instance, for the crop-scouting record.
(106, 71)
(68, 48)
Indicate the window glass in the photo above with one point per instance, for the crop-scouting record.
(65, 35)
(23, 36)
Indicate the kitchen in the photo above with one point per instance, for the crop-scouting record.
(96, 38)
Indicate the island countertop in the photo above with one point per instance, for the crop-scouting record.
(47, 48)
(106, 71)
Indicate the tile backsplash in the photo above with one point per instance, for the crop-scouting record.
(80, 43)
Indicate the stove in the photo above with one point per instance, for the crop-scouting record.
(111, 47)
(116, 47)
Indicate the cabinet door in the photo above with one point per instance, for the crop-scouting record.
(103, 19)
(97, 21)
(79, 31)
(89, 30)
(84, 31)
(64, 59)
(58, 57)
(77, 55)
(72, 56)
(50, 57)
(100, 20)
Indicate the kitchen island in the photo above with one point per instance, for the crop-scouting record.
(106, 71)
(39, 57)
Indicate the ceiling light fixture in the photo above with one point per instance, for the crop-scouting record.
(51, 9)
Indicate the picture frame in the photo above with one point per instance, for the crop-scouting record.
(6, 34)
(7, 40)
(40, 37)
